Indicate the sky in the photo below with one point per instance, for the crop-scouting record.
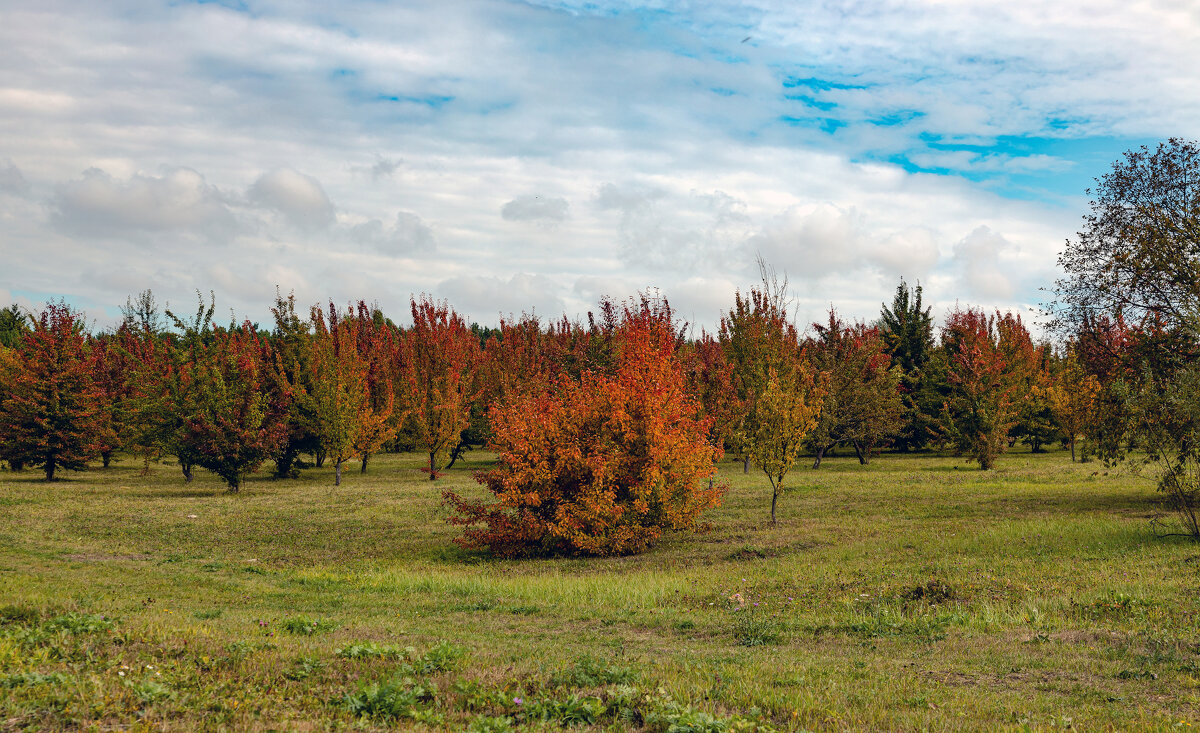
(537, 156)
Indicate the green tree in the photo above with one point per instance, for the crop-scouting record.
(862, 404)
(907, 329)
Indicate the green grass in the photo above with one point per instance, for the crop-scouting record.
(913, 593)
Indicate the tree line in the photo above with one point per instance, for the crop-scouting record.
(608, 430)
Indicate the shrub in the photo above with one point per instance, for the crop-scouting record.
(602, 464)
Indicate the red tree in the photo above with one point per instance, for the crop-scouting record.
(53, 414)
(986, 375)
(440, 357)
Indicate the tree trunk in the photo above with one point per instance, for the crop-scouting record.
(106, 458)
(862, 455)
(820, 455)
(1072, 449)
(319, 458)
(235, 485)
(774, 501)
(365, 457)
(432, 470)
(50, 466)
(746, 464)
(337, 473)
(187, 471)
(16, 466)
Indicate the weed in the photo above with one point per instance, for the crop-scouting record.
(149, 691)
(400, 697)
(589, 671)
(369, 650)
(207, 615)
(79, 623)
(32, 679)
(304, 667)
(441, 657)
(302, 626)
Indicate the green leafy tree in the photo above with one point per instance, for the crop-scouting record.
(233, 420)
(862, 404)
(785, 411)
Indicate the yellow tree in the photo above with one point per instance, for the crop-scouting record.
(1072, 395)
(787, 409)
(347, 421)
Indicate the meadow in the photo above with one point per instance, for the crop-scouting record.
(914, 593)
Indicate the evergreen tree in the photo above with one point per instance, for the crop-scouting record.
(908, 338)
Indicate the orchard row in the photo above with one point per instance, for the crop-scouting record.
(607, 431)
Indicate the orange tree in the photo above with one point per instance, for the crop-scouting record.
(54, 413)
(601, 464)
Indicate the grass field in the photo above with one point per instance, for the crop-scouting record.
(913, 593)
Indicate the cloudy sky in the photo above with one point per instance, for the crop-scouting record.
(512, 156)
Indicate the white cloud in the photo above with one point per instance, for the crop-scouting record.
(534, 207)
(487, 298)
(12, 181)
(300, 198)
(180, 200)
(407, 235)
(978, 256)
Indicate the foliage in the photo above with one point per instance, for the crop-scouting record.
(862, 403)
(347, 420)
(232, 422)
(985, 374)
(600, 465)
(1138, 254)
(440, 358)
(1072, 394)
(53, 412)
(757, 338)
(784, 413)
(907, 330)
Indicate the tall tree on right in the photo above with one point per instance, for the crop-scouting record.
(1134, 268)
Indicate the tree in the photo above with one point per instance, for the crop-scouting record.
(440, 358)
(53, 412)
(785, 412)
(14, 324)
(985, 386)
(1072, 394)
(907, 330)
(601, 464)
(862, 403)
(1133, 274)
(291, 342)
(232, 420)
(757, 337)
(1137, 256)
(346, 420)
